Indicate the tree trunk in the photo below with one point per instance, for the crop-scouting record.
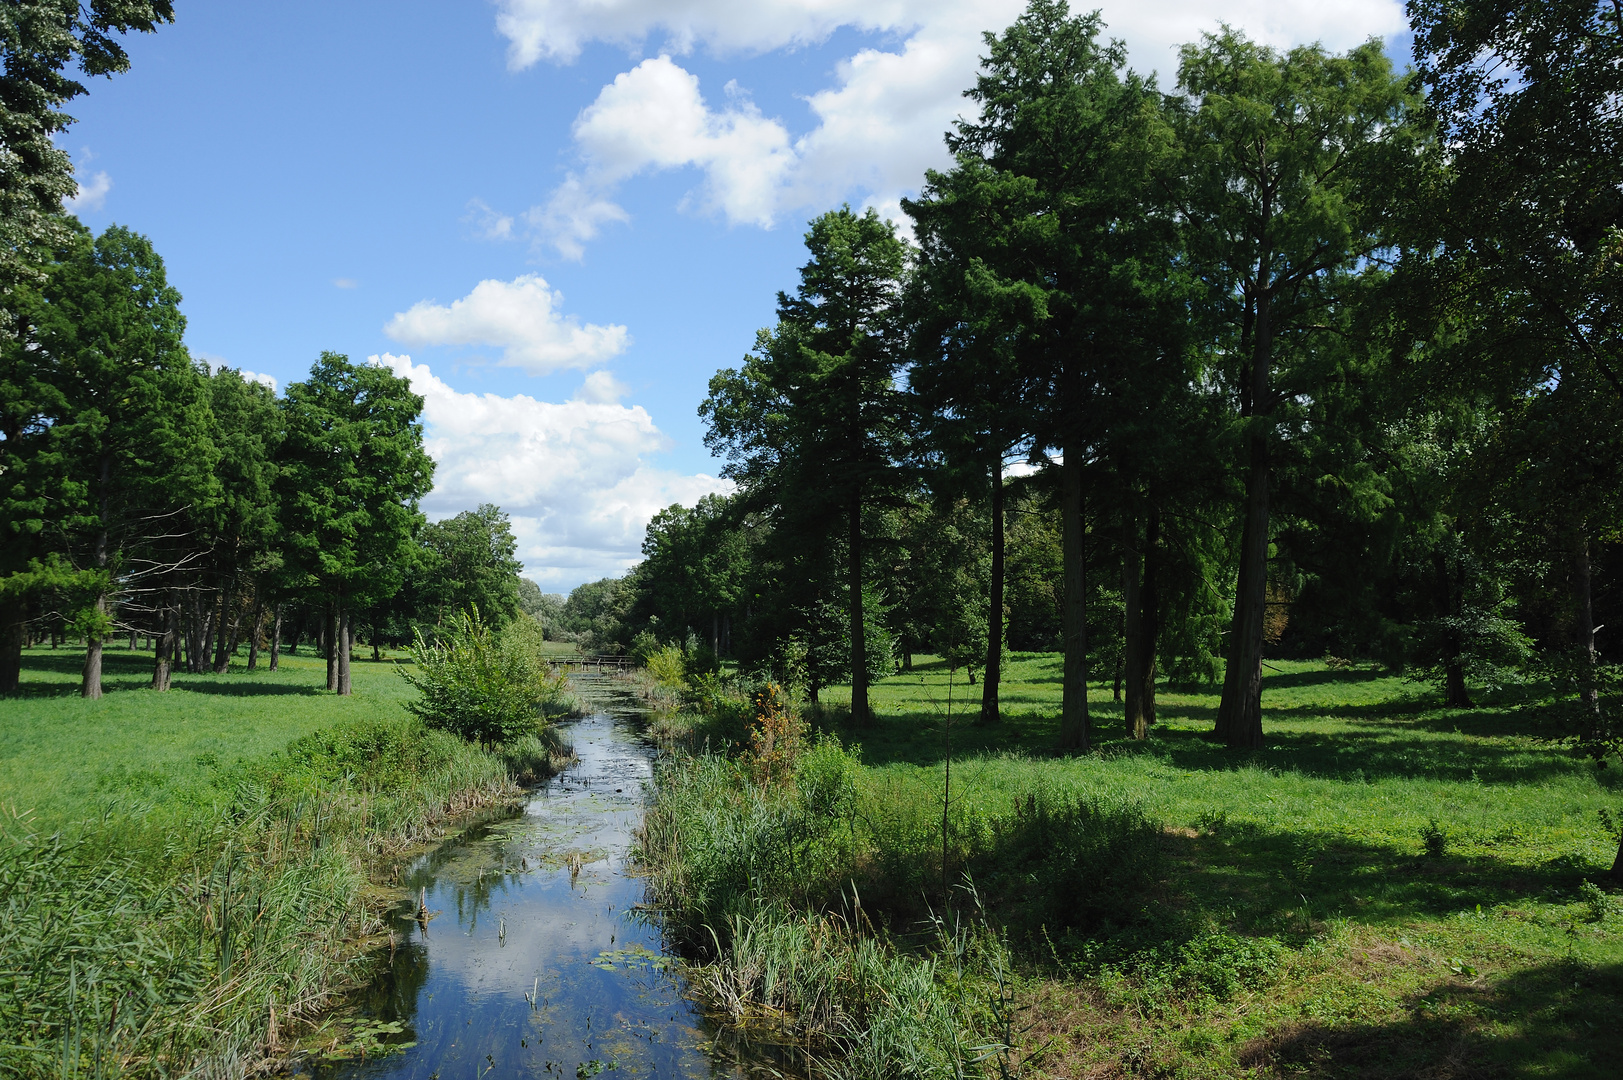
(163, 660)
(90, 685)
(222, 658)
(1455, 693)
(1132, 708)
(1145, 615)
(994, 608)
(859, 638)
(329, 642)
(1239, 713)
(257, 618)
(276, 639)
(1073, 724)
(1583, 602)
(377, 652)
(13, 627)
(346, 631)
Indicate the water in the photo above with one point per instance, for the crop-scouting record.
(537, 963)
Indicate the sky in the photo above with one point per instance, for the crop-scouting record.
(557, 218)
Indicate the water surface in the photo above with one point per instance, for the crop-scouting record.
(537, 963)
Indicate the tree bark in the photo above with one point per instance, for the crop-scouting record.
(254, 622)
(990, 713)
(1145, 614)
(276, 639)
(1239, 713)
(13, 627)
(859, 638)
(222, 658)
(90, 685)
(346, 632)
(1131, 559)
(163, 658)
(329, 641)
(1583, 602)
(1074, 731)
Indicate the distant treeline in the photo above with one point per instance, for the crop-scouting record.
(1308, 356)
(194, 510)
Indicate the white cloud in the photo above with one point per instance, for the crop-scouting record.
(219, 363)
(488, 224)
(520, 317)
(873, 132)
(345, 283)
(91, 194)
(653, 117)
(601, 388)
(573, 476)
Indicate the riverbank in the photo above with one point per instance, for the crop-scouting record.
(185, 876)
(1391, 888)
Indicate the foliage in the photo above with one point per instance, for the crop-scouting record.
(479, 687)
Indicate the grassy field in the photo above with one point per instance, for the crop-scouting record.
(184, 876)
(1388, 889)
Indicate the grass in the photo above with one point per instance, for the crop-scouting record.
(184, 876)
(1299, 921)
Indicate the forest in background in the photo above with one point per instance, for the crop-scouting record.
(1307, 356)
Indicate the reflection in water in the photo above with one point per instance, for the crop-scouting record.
(534, 962)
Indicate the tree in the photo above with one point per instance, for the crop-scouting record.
(354, 470)
(1292, 176)
(38, 40)
(811, 425)
(133, 433)
(1064, 158)
(696, 569)
(472, 564)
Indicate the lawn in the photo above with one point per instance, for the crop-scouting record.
(1429, 874)
(67, 759)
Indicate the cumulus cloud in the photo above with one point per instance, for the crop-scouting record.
(653, 117)
(601, 388)
(91, 193)
(573, 476)
(872, 132)
(521, 317)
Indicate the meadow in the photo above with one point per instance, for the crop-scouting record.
(187, 879)
(1390, 888)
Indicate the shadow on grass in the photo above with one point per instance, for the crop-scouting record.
(1281, 881)
(62, 670)
(1398, 751)
(1553, 1020)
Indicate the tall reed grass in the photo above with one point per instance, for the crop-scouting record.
(813, 902)
(193, 936)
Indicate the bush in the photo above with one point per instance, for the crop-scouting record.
(476, 687)
(668, 667)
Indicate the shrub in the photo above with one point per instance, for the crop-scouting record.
(478, 688)
(667, 666)
(1434, 838)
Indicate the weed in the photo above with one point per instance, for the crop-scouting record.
(1601, 904)
(1434, 840)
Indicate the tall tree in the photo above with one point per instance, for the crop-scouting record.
(354, 471)
(811, 424)
(1064, 157)
(1292, 167)
(134, 430)
(39, 39)
(472, 563)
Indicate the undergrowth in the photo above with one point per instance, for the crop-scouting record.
(195, 934)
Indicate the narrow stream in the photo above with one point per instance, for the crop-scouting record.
(536, 963)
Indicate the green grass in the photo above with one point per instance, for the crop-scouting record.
(184, 876)
(1490, 958)
(65, 758)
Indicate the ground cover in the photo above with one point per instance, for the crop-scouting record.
(1389, 888)
(184, 877)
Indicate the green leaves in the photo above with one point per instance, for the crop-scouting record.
(478, 687)
(354, 471)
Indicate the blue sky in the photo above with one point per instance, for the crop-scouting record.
(558, 217)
